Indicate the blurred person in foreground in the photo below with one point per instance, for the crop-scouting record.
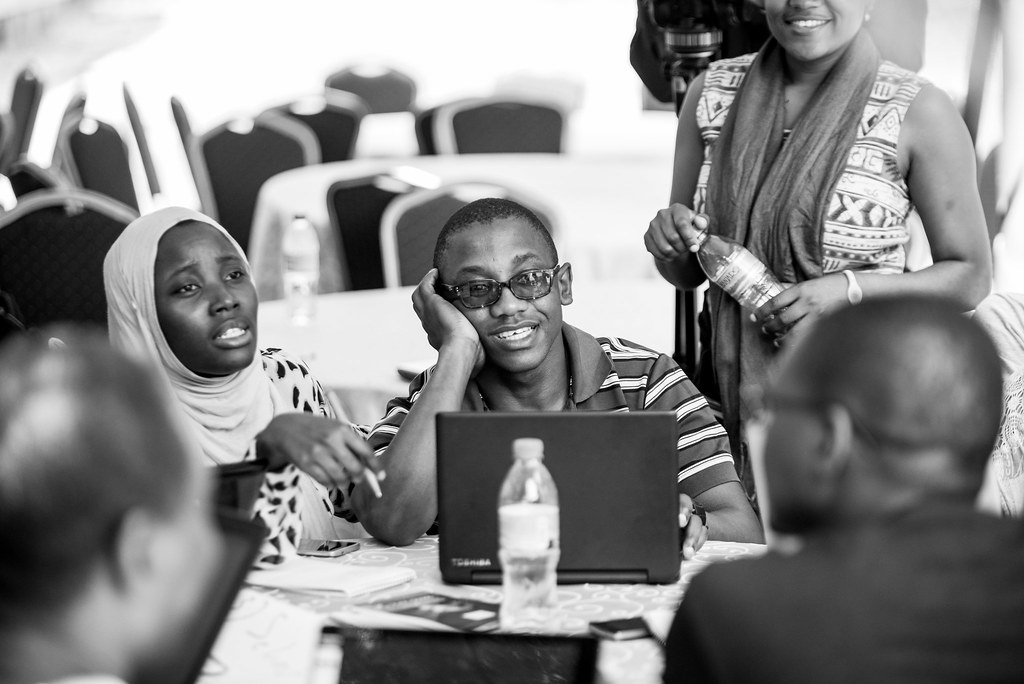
(492, 307)
(815, 153)
(879, 427)
(180, 294)
(107, 537)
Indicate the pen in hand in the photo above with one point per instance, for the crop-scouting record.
(371, 478)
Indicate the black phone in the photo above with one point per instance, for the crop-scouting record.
(327, 548)
(621, 629)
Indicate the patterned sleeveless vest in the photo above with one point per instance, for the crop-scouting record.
(866, 226)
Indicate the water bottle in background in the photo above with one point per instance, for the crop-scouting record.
(736, 270)
(528, 536)
(301, 250)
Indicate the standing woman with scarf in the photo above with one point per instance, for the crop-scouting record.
(179, 294)
(813, 153)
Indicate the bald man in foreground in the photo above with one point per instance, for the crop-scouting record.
(880, 423)
(107, 540)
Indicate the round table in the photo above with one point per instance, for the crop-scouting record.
(600, 206)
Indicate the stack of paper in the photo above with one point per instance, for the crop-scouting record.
(313, 574)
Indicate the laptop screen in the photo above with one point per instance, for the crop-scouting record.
(616, 479)
(183, 659)
(376, 656)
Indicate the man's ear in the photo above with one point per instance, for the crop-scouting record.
(837, 444)
(133, 553)
(565, 284)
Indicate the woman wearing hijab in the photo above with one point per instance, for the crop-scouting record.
(179, 292)
(813, 153)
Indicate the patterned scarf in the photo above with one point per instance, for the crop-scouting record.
(773, 197)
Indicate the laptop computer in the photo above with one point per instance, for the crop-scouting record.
(372, 656)
(182, 661)
(617, 493)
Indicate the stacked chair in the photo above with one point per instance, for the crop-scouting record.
(95, 157)
(387, 227)
(334, 118)
(383, 89)
(237, 157)
(491, 125)
(20, 121)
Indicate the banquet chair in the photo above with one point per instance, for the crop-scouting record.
(411, 223)
(189, 143)
(52, 246)
(141, 141)
(7, 126)
(334, 118)
(25, 98)
(94, 156)
(27, 177)
(498, 125)
(383, 89)
(239, 156)
(356, 206)
(424, 128)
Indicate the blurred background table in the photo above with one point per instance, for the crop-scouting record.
(600, 206)
(637, 662)
(359, 339)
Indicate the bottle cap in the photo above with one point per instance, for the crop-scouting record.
(528, 447)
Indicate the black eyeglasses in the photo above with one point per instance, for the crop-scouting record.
(476, 294)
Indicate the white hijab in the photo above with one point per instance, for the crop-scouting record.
(227, 412)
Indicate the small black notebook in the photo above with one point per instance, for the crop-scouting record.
(616, 479)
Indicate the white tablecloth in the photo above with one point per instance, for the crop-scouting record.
(360, 338)
(601, 207)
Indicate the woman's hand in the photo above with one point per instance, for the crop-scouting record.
(443, 322)
(329, 451)
(787, 315)
(673, 232)
(692, 529)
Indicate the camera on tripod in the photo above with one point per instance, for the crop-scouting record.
(696, 32)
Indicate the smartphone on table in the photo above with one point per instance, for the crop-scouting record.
(326, 548)
(621, 629)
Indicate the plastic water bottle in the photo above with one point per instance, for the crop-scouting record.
(301, 250)
(736, 270)
(528, 539)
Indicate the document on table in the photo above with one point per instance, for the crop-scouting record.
(315, 574)
(264, 639)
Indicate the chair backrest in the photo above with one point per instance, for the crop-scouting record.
(499, 125)
(27, 177)
(95, 157)
(424, 127)
(190, 144)
(239, 157)
(52, 246)
(141, 141)
(7, 133)
(356, 206)
(411, 223)
(333, 117)
(25, 99)
(384, 89)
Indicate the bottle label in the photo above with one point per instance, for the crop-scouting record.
(528, 527)
(747, 280)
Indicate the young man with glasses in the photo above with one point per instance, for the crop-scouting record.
(879, 427)
(492, 307)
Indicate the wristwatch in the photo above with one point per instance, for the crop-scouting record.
(698, 510)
